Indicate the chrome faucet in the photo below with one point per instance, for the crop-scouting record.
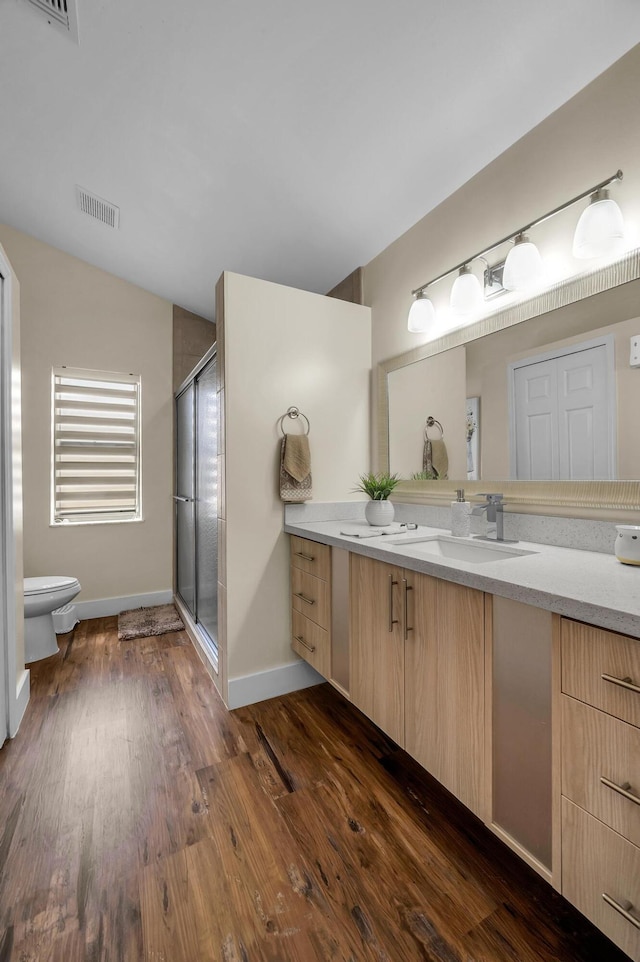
(495, 516)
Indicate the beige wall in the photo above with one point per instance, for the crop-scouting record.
(192, 337)
(585, 141)
(76, 315)
(283, 347)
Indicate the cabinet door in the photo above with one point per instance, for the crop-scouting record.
(444, 684)
(377, 645)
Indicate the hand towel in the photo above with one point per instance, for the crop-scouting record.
(291, 489)
(440, 459)
(297, 456)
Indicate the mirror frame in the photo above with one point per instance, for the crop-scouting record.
(587, 496)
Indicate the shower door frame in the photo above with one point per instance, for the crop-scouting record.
(210, 644)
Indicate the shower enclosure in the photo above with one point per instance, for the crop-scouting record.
(196, 498)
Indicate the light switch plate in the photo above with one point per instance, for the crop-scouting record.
(634, 356)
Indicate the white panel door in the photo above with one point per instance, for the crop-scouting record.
(536, 434)
(563, 414)
(584, 416)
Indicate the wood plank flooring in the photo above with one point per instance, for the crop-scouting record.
(140, 820)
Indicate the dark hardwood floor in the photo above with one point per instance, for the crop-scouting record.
(139, 820)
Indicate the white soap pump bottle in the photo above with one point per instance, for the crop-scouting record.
(460, 516)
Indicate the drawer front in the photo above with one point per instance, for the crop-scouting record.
(311, 642)
(596, 746)
(602, 668)
(311, 557)
(310, 596)
(601, 870)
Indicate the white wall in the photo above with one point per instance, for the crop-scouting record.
(283, 347)
(582, 143)
(75, 314)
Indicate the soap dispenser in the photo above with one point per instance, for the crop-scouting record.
(460, 516)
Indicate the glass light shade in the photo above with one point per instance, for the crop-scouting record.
(466, 293)
(523, 267)
(600, 230)
(422, 315)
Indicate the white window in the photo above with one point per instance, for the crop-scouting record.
(96, 447)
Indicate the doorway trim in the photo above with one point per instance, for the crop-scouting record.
(15, 693)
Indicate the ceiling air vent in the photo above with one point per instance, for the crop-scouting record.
(97, 207)
(61, 14)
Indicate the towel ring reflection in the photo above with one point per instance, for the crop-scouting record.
(430, 422)
(293, 413)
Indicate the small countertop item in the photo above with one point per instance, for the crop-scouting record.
(460, 516)
(627, 544)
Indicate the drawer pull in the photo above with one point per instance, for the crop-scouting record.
(407, 589)
(622, 682)
(307, 601)
(392, 621)
(305, 557)
(624, 790)
(624, 908)
(305, 643)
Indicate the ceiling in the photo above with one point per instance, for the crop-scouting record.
(290, 140)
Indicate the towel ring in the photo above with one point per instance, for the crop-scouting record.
(430, 422)
(293, 413)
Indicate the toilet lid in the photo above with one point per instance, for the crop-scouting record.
(39, 586)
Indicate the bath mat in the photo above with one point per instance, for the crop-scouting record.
(145, 622)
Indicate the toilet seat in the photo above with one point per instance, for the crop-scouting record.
(42, 585)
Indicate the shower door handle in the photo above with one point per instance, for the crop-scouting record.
(177, 497)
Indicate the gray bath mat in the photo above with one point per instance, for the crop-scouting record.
(145, 622)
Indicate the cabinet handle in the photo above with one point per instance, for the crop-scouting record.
(305, 643)
(307, 601)
(407, 589)
(392, 621)
(624, 789)
(624, 908)
(307, 557)
(622, 682)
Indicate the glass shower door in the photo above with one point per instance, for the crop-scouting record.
(184, 499)
(206, 515)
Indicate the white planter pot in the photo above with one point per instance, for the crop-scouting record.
(379, 513)
(627, 544)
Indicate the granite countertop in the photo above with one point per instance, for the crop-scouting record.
(586, 585)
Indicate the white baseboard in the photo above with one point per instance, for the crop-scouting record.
(17, 710)
(269, 684)
(103, 607)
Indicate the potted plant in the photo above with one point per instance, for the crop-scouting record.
(378, 487)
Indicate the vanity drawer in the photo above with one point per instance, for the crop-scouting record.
(311, 557)
(602, 668)
(597, 746)
(600, 870)
(310, 596)
(311, 642)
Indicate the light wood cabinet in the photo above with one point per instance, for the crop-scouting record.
(417, 669)
(444, 684)
(377, 643)
(600, 706)
(320, 609)
(601, 876)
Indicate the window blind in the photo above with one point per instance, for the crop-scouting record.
(96, 446)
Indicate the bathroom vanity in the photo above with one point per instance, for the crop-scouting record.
(514, 680)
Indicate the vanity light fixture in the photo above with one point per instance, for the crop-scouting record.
(523, 268)
(466, 293)
(600, 231)
(422, 314)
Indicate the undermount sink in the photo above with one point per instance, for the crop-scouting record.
(458, 549)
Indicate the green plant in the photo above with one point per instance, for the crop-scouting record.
(377, 486)
(424, 476)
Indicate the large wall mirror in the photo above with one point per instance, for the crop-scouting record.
(539, 400)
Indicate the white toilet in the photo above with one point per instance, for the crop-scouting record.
(41, 597)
